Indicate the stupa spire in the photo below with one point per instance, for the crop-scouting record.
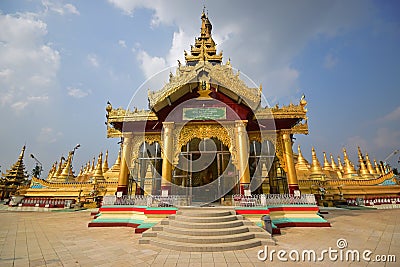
(363, 170)
(316, 170)
(349, 170)
(378, 171)
(369, 165)
(98, 172)
(301, 164)
(335, 168)
(340, 165)
(16, 174)
(327, 166)
(105, 163)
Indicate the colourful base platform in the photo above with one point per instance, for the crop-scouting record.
(139, 217)
(142, 217)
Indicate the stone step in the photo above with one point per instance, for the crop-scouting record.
(191, 225)
(205, 239)
(206, 230)
(205, 213)
(208, 219)
(202, 232)
(193, 247)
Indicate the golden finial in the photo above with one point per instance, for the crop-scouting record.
(67, 173)
(340, 165)
(316, 170)
(301, 164)
(349, 171)
(369, 165)
(260, 90)
(377, 169)
(92, 169)
(98, 169)
(335, 168)
(327, 166)
(333, 164)
(363, 170)
(303, 101)
(204, 48)
(105, 164)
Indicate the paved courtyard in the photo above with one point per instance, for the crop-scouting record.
(63, 239)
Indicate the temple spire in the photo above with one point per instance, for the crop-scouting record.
(327, 166)
(316, 170)
(364, 172)
(105, 163)
(335, 168)
(349, 170)
(301, 164)
(369, 165)
(204, 48)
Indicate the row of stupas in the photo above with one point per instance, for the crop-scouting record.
(62, 172)
(342, 170)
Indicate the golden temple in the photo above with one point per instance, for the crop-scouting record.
(207, 114)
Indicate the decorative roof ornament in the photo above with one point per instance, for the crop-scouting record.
(204, 48)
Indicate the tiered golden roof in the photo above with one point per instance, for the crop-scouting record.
(204, 48)
(16, 175)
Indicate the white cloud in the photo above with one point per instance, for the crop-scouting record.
(393, 116)
(48, 135)
(122, 43)
(150, 65)
(28, 65)
(58, 7)
(264, 48)
(93, 60)
(71, 9)
(387, 138)
(77, 93)
(330, 61)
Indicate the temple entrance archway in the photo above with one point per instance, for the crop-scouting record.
(204, 172)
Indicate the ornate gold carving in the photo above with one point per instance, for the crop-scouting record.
(122, 115)
(221, 75)
(138, 140)
(284, 112)
(224, 133)
(279, 152)
(300, 128)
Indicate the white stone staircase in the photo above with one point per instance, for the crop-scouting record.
(206, 230)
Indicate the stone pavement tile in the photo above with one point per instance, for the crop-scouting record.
(243, 259)
(233, 264)
(21, 263)
(219, 260)
(246, 264)
(194, 264)
(183, 260)
(207, 260)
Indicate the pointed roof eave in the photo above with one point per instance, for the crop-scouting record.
(228, 82)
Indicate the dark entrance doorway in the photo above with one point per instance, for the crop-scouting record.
(205, 172)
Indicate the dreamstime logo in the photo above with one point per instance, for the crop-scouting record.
(341, 254)
(180, 96)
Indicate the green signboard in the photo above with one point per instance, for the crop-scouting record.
(209, 113)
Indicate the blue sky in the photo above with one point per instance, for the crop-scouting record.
(61, 61)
